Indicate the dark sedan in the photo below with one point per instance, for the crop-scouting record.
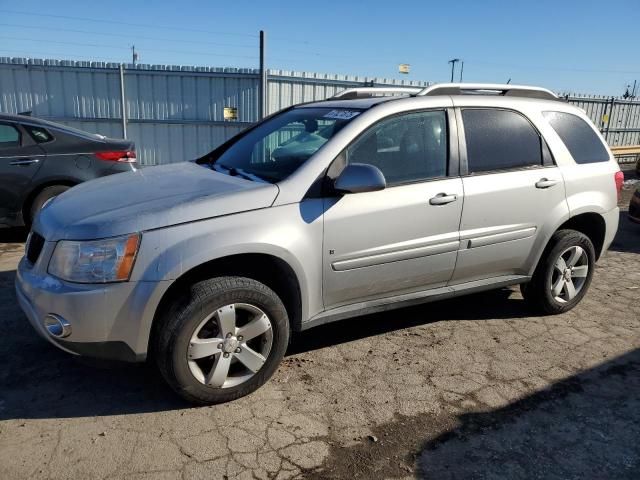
(41, 159)
(634, 206)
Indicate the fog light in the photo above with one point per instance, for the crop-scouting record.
(57, 326)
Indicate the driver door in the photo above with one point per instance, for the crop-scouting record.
(404, 238)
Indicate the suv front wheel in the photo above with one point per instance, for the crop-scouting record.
(222, 340)
(563, 274)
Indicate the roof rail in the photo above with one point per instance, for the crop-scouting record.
(504, 89)
(367, 92)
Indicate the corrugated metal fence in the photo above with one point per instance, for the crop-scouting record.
(176, 113)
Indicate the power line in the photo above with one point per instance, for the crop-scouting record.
(118, 22)
(129, 37)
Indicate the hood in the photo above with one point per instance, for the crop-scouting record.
(150, 198)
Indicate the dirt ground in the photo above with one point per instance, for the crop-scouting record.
(467, 388)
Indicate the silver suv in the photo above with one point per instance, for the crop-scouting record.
(371, 200)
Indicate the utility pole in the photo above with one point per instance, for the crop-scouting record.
(453, 62)
(461, 69)
(262, 102)
(134, 55)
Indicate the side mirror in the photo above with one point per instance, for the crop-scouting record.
(359, 178)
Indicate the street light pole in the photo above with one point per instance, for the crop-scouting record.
(453, 62)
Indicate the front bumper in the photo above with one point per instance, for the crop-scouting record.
(108, 321)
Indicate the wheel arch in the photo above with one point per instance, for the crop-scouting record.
(266, 268)
(31, 196)
(590, 224)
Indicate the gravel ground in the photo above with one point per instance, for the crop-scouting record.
(473, 388)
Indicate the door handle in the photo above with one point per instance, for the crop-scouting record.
(442, 199)
(24, 162)
(545, 183)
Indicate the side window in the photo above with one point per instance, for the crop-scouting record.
(9, 136)
(40, 135)
(406, 148)
(579, 138)
(500, 140)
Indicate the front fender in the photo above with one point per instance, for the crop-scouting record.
(292, 233)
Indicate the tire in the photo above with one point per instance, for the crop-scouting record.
(571, 246)
(207, 307)
(42, 197)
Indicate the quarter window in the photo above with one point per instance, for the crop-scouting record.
(9, 136)
(406, 148)
(500, 140)
(40, 135)
(579, 138)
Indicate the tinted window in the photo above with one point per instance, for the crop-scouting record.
(405, 148)
(40, 135)
(9, 136)
(579, 138)
(500, 140)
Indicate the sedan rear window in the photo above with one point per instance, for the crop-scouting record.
(580, 139)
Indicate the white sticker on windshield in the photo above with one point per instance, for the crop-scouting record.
(342, 114)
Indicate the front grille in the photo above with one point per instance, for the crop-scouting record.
(34, 247)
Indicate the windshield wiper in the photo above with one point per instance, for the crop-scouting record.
(233, 171)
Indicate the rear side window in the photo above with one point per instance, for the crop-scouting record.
(582, 142)
(9, 136)
(500, 140)
(40, 135)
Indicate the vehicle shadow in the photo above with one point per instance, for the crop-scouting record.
(628, 236)
(584, 426)
(39, 381)
(494, 304)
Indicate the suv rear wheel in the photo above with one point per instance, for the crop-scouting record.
(563, 274)
(222, 340)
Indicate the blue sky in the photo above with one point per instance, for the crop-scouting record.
(578, 46)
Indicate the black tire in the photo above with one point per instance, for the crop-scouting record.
(537, 293)
(42, 197)
(174, 333)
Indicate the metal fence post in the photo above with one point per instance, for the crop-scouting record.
(123, 105)
(262, 102)
(613, 104)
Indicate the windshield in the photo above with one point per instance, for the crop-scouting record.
(279, 146)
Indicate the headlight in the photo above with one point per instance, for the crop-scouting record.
(95, 261)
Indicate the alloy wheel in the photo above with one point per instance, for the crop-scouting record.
(230, 345)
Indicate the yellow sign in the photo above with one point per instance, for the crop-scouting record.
(605, 118)
(231, 113)
(404, 68)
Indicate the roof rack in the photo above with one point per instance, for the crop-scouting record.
(368, 92)
(506, 90)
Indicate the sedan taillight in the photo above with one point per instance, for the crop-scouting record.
(128, 156)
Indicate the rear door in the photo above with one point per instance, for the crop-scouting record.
(20, 159)
(512, 188)
(403, 238)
